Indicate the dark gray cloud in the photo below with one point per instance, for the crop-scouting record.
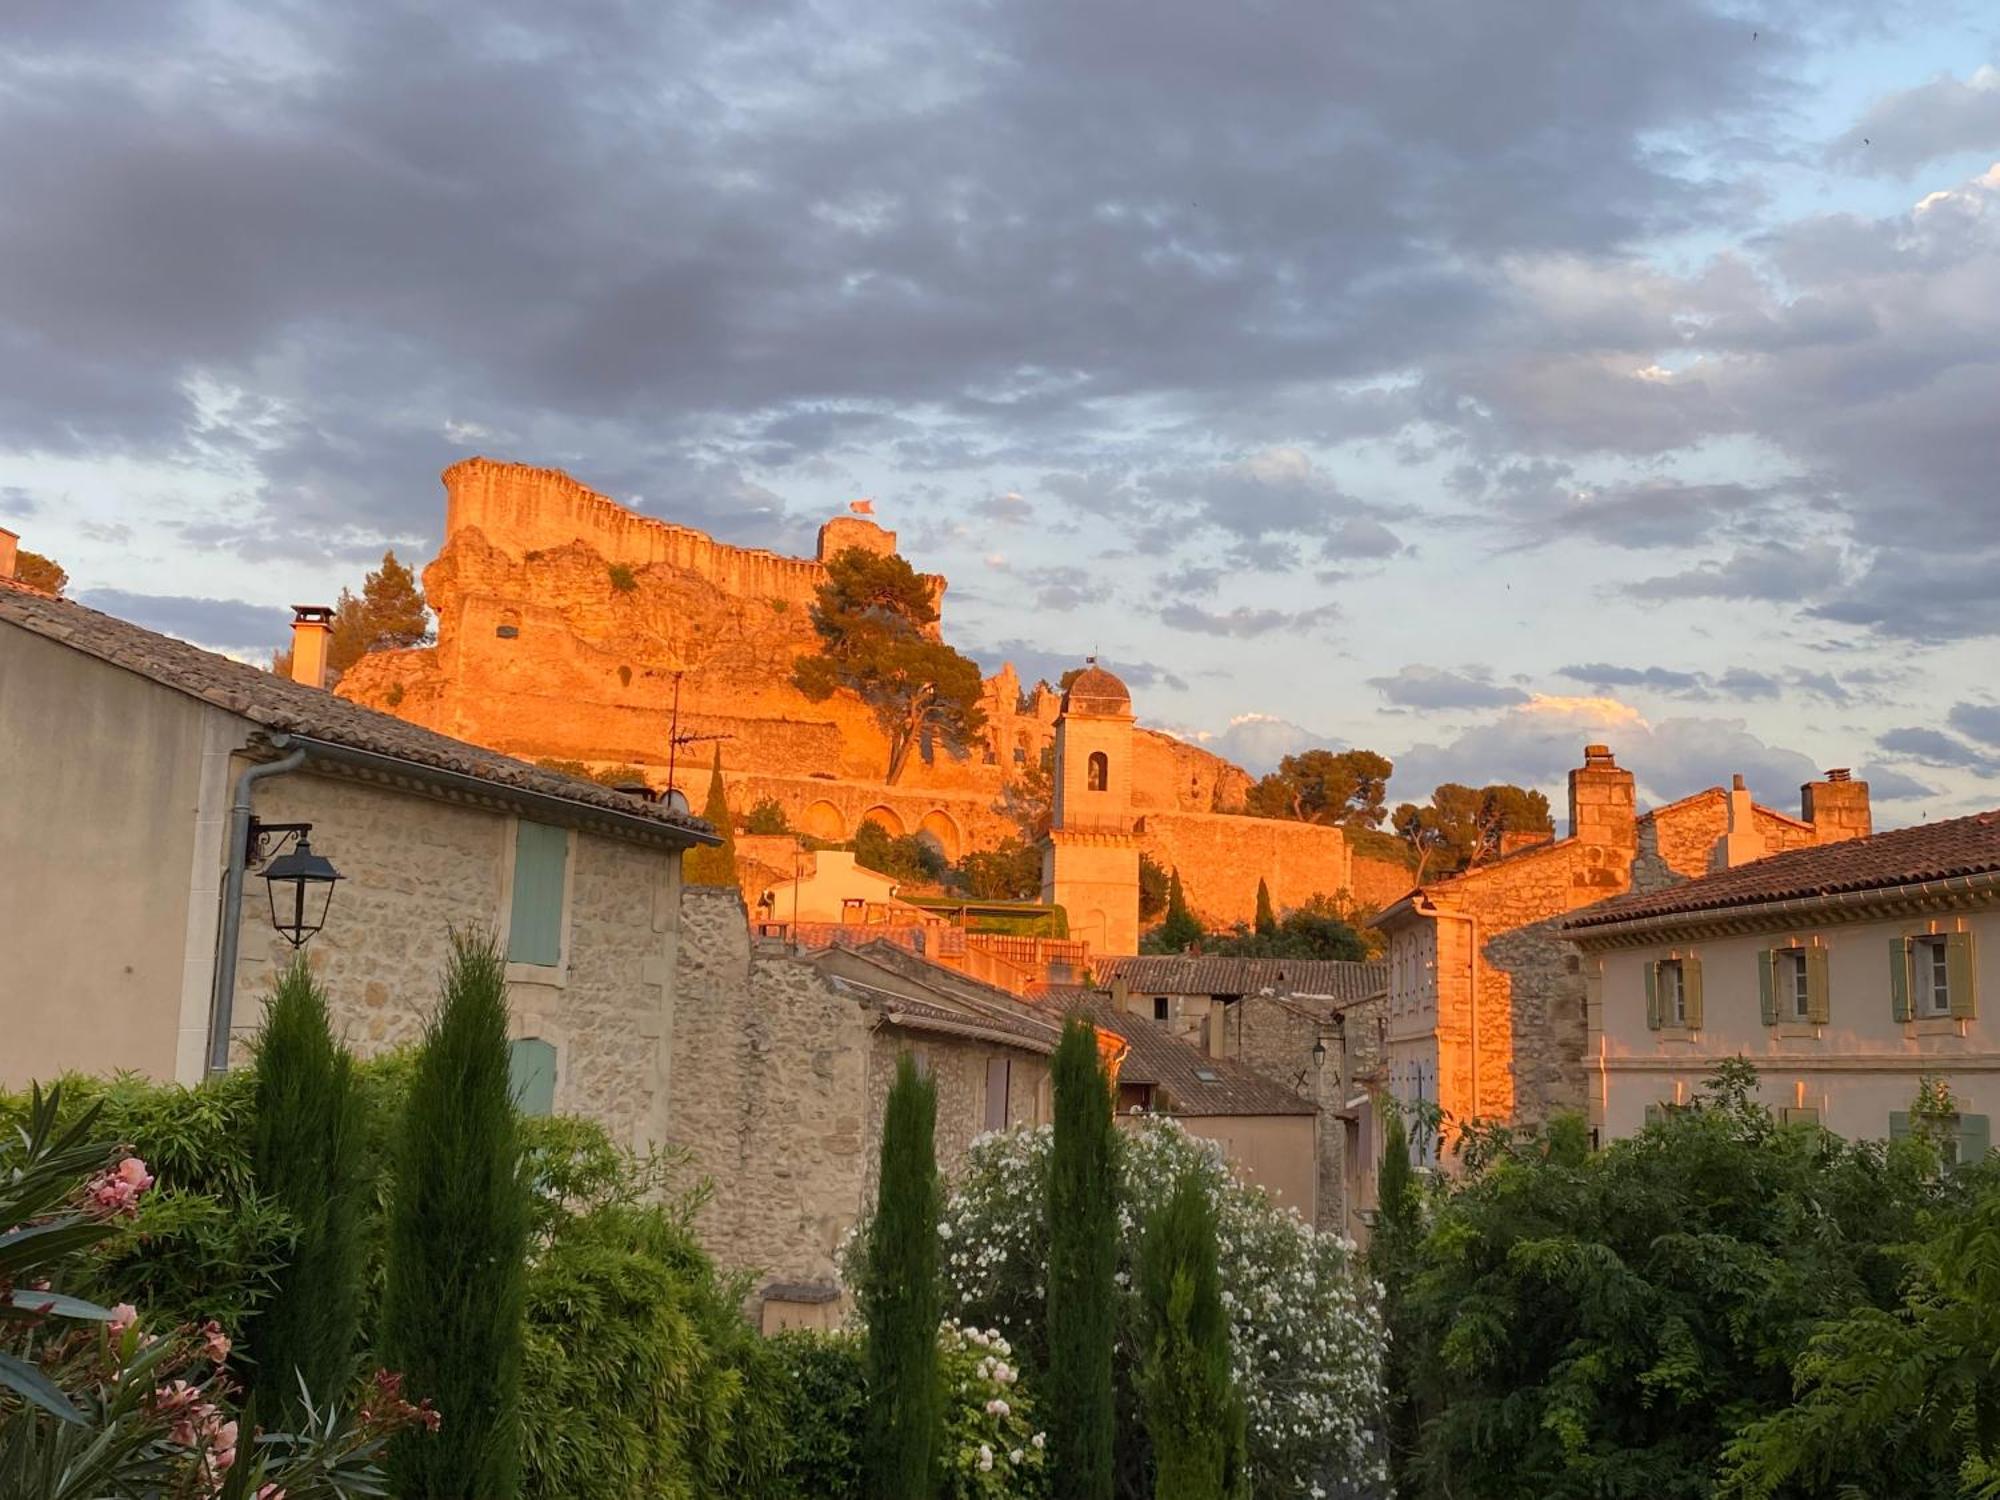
(1912, 127)
(1036, 663)
(1888, 785)
(1778, 571)
(17, 502)
(1933, 747)
(1418, 686)
(1977, 721)
(228, 625)
(1244, 622)
(1740, 683)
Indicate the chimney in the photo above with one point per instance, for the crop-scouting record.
(1742, 843)
(1837, 807)
(9, 545)
(312, 633)
(1603, 804)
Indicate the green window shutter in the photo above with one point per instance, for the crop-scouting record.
(541, 857)
(1767, 986)
(1975, 1138)
(531, 1075)
(1899, 1124)
(1652, 997)
(1655, 1114)
(1819, 996)
(1960, 974)
(1899, 979)
(1691, 988)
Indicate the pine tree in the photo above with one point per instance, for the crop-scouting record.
(1267, 918)
(715, 866)
(1083, 1258)
(457, 1243)
(307, 1155)
(900, 1297)
(1179, 930)
(1186, 1391)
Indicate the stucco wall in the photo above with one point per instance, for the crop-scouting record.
(1856, 1069)
(412, 869)
(1274, 1152)
(101, 781)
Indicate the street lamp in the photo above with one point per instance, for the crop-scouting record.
(1319, 1052)
(298, 881)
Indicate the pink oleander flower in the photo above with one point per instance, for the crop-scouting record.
(269, 1492)
(222, 1445)
(123, 1316)
(214, 1342)
(117, 1191)
(133, 1171)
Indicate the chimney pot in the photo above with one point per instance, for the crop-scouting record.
(1840, 773)
(1736, 782)
(312, 634)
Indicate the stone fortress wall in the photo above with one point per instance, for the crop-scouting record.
(566, 623)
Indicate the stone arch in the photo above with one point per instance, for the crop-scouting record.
(887, 819)
(937, 827)
(822, 820)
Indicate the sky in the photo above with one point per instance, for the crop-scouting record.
(1462, 382)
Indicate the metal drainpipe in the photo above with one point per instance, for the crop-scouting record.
(221, 1010)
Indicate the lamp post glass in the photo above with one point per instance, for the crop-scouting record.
(300, 884)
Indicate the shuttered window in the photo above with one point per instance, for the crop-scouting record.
(997, 1071)
(1965, 1142)
(1933, 975)
(541, 869)
(531, 1075)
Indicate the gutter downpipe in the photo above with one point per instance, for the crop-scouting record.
(1432, 909)
(221, 1011)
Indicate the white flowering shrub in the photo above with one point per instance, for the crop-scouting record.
(992, 1447)
(1308, 1338)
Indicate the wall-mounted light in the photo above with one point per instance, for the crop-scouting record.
(299, 882)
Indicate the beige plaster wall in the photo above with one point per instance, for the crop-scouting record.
(1856, 1069)
(102, 775)
(1274, 1152)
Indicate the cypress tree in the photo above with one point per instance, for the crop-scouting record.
(1186, 1391)
(1391, 1254)
(1179, 929)
(715, 866)
(1267, 918)
(1083, 1257)
(900, 1297)
(306, 1151)
(458, 1229)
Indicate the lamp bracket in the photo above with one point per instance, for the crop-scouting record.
(266, 840)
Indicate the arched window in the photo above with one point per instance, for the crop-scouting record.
(1098, 776)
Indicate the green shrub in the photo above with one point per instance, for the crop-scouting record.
(1083, 1258)
(825, 1395)
(767, 817)
(306, 1151)
(1194, 1416)
(458, 1242)
(623, 578)
(899, 1295)
(714, 865)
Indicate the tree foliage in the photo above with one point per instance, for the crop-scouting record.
(39, 572)
(767, 817)
(900, 1298)
(1266, 924)
(1180, 929)
(389, 614)
(910, 858)
(1324, 786)
(1194, 1415)
(1606, 1324)
(307, 1152)
(1155, 885)
(874, 616)
(1011, 871)
(458, 1241)
(717, 865)
(1083, 1258)
(1462, 826)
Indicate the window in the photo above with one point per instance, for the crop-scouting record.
(1930, 976)
(998, 1070)
(1162, 1008)
(1961, 1139)
(1098, 775)
(1796, 982)
(531, 1075)
(1673, 993)
(541, 872)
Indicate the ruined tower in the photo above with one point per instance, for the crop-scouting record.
(1090, 861)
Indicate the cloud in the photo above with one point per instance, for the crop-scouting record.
(1977, 721)
(16, 502)
(1010, 509)
(1418, 686)
(1602, 674)
(1035, 663)
(1907, 129)
(1243, 622)
(233, 626)
(1257, 742)
(1777, 571)
(1933, 747)
(1887, 785)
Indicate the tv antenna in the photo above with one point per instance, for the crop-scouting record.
(677, 737)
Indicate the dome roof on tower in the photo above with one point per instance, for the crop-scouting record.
(1096, 691)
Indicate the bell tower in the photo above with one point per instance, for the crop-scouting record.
(1090, 861)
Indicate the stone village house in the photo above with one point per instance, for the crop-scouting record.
(1847, 973)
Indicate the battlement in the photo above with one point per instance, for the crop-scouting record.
(520, 509)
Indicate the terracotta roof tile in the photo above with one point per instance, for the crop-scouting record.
(1194, 1083)
(283, 706)
(1904, 856)
(1197, 974)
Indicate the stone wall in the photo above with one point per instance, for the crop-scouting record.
(1222, 857)
(413, 868)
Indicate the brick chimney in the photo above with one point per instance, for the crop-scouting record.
(312, 633)
(1603, 804)
(10, 543)
(1742, 843)
(1837, 807)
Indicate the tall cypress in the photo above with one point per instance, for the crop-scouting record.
(306, 1151)
(1392, 1249)
(458, 1230)
(901, 1299)
(1186, 1390)
(715, 866)
(1179, 929)
(1267, 918)
(1083, 1258)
